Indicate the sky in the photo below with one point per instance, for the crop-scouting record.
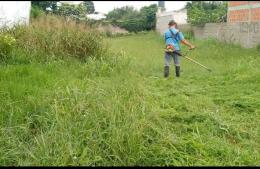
(106, 6)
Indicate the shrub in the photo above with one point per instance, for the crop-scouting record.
(44, 5)
(134, 23)
(133, 20)
(57, 37)
(108, 33)
(72, 10)
(189, 34)
(7, 44)
(258, 47)
(200, 12)
(36, 12)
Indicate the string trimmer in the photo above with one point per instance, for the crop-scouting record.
(190, 59)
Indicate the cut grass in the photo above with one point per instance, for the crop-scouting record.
(123, 112)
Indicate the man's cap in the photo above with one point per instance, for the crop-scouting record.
(172, 22)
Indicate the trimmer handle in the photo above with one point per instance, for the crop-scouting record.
(178, 53)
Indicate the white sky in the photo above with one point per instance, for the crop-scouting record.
(106, 6)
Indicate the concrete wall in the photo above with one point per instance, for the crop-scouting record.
(244, 33)
(14, 12)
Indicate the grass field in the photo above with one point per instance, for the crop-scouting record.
(123, 112)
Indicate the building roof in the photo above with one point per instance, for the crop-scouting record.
(71, 2)
(96, 16)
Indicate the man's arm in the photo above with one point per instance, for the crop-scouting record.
(185, 42)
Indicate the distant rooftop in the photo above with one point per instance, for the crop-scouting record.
(71, 2)
(96, 16)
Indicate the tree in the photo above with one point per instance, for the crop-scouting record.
(45, 4)
(132, 20)
(120, 13)
(126, 17)
(72, 10)
(90, 8)
(36, 11)
(201, 12)
(149, 14)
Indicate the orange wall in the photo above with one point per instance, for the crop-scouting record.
(243, 15)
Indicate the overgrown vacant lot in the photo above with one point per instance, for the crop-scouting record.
(121, 111)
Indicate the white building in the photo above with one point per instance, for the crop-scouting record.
(14, 12)
(163, 18)
(180, 16)
(96, 16)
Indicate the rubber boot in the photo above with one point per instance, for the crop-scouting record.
(177, 71)
(166, 71)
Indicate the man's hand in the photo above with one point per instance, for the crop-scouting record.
(192, 47)
(170, 48)
(185, 42)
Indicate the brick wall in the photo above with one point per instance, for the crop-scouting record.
(243, 11)
(237, 3)
(256, 14)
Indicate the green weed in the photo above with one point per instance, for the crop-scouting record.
(7, 45)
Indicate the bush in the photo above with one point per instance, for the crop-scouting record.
(72, 10)
(133, 23)
(36, 12)
(200, 12)
(56, 37)
(132, 20)
(43, 5)
(258, 47)
(189, 34)
(7, 44)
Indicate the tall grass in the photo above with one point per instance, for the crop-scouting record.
(56, 37)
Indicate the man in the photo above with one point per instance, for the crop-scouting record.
(172, 39)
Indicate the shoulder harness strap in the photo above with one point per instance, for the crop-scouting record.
(173, 36)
